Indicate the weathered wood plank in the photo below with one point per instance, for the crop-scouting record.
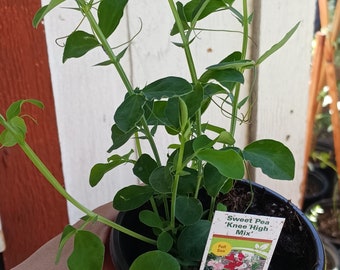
(283, 84)
(31, 211)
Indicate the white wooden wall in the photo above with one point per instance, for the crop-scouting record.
(86, 96)
(283, 84)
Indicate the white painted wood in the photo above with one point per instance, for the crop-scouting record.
(86, 96)
(154, 56)
(85, 99)
(283, 84)
(2, 239)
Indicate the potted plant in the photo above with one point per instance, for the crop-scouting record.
(203, 171)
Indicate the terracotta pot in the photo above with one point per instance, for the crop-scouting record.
(299, 247)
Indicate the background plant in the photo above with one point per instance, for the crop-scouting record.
(206, 156)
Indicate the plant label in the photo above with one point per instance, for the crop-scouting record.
(241, 241)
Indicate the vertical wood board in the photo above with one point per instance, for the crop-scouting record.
(31, 211)
(86, 97)
(283, 84)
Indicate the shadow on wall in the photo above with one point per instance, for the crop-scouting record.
(1, 262)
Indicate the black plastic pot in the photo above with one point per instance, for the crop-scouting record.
(124, 249)
(299, 246)
(332, 255)
(318, 187)
(322, 210)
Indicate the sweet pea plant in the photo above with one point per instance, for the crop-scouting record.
(205, 158)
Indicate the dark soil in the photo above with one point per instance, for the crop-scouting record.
(293, 250)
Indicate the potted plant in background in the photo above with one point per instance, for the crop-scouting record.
(203, 170)
(324, 211)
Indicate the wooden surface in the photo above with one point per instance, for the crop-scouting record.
(31, 212)
(324, 73)
(331, 80)
(85, 100)
(283, 84)
(314, 91)
(44, 257)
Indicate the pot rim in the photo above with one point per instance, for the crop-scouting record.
(320, 263)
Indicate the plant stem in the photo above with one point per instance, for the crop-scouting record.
(185, 41)
(243, 56)
(212, 208)
(175, 184)
(33, 157)
(107, 49)
(186, 46)
(54, 182)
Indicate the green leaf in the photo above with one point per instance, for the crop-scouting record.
(161, 180)
(278, 45)
(188, 155)
(129, 113)
(7, 139)
(202, 142)
(226, 77)
(155, 260)
(228, 185)
(104, 63)
(110, 13)
(172, 114)
(211, 89)
(193, 7)
(40, 14)
(213, 180)
(88, 252)
(183, 113)
(243, 64)
(181, 13)
(242, 102)
(109, 62)
(192, 240)
(164, 241)
(144, 167)
(150, 219)
(121, 54)
(194, 99)
(68, 232)
(223, 136)
(228, 162)
(190, 10)
(132, 197)
(78, 44)
(100, 169)
(16, 127)
(237, 15)
(188, 210)
(15, 108)
(119, 137)
(221, 207)
(188, 181)
(234, 57)
(273, 157)
(226, 138)
(19, 127)
(166, 88)
(157, 117)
